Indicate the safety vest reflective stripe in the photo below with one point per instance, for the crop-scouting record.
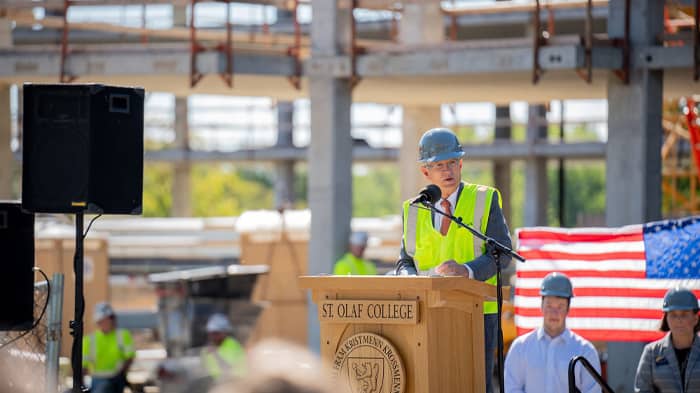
(227, 359)
(479, 216)
(93, 348)
(218, 363)
(410, 239)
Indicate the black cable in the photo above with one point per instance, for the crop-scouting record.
(43, 310)
(90, 224)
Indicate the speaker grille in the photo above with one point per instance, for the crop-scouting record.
(17, 264)
(56, 140)
(83, 149)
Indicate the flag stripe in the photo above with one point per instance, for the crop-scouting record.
(531, 254)
(611, 324)
(584, 273)
(597, 313)
(598, 301)
(620, 335)
(579, 237)
(595, 282)
(583, 248)
(545, 266)
(596, 291)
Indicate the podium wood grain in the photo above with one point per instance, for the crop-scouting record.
(442, 349)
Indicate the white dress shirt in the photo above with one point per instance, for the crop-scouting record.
(537, 363)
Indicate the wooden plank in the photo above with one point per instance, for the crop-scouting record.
(397, 283)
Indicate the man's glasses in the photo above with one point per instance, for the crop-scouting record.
(442, 165)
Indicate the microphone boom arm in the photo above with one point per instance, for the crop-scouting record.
(502, 248)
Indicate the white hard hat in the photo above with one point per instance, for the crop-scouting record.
(218, 323)
(102, 311)
(358, 238)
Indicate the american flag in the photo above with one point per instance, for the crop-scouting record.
(620, 275)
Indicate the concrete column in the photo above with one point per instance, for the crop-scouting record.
(330, 151)
(501, 168)
(536, 195)
(182, 187)
(284, 170)
(5, 33)
(421, 23)
(7, 163)
(416, 120)
(633, 165)
(180, 18)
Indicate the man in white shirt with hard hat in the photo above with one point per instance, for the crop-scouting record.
(224, 356)
(538, 362)
(108, 352)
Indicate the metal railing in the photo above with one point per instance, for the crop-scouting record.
(589, 367)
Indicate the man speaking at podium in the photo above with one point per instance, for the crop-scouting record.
(432, 244)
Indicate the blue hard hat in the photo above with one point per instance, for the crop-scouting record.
(439, 144)
(557, 284)
(679, 299)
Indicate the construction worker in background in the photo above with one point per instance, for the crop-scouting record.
(672, 364)
(352, 262)
(107, 353)
(432, 244)
(538, 362)
(224, 356)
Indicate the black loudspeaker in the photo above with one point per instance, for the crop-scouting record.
(82, 149)
(17, 278)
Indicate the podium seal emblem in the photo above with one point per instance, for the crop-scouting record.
(369, 363)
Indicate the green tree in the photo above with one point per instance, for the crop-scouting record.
(224, 190)
(584, 189)
(375, 190)
(157, 190)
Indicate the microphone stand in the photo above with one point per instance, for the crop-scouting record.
(496, 249)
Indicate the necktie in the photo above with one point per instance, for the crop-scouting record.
(445, 224)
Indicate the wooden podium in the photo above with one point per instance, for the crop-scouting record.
(402, 334)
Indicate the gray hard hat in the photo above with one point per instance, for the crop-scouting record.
(359, 238)
(439, 144)
(218, 323)
(557, 284)
(679, 299)
(102, 310)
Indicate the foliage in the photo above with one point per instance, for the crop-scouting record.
(157, 190)
(217, 190)
(584, 189)
(224, 190)
(375, 190)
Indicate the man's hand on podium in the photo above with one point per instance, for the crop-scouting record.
(452, 268)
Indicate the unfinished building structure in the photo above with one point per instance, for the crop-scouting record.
(418, 54)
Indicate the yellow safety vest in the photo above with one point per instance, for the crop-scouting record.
(429, 248)
(227, 359)
(350, 264)
(104, 354)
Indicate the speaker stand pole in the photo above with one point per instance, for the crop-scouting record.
(76, 325)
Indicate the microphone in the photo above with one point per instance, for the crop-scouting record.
(430, 194)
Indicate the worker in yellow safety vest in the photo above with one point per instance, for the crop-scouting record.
(352, 263)
(432, 244)
(224, 356)
(107, 353)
